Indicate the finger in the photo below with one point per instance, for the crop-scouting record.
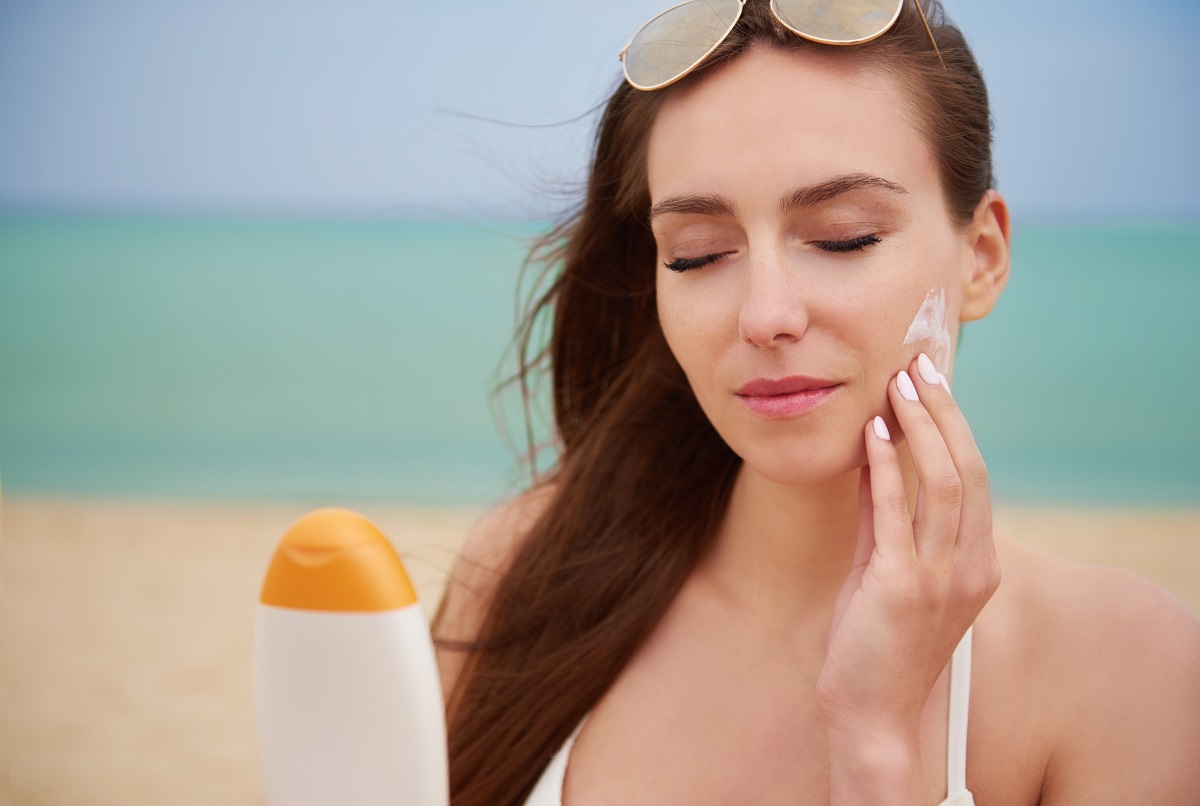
(891, 520)
(865, 544)
(975, 519)
(939, 496)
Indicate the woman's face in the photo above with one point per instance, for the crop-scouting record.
(805, 253)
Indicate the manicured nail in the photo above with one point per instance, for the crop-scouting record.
(905, 385)
(945, 383)
(928, 371)
(881, 429)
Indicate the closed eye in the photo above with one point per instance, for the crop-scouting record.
(681, 264)
(853, 245)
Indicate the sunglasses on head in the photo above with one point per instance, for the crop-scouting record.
(678, 40)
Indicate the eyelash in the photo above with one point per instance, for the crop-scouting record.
(682, 264)
(858, 244)
(853, 245)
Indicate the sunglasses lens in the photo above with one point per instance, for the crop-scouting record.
(844, 22)
(671, 44)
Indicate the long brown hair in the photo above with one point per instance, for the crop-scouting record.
(643, 478)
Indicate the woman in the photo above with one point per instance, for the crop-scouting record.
(770, 528)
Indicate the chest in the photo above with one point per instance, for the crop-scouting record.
(727, 728)
(707, 716)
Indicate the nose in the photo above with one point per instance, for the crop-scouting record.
(774, 310)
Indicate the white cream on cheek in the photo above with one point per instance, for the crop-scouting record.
(930, 325)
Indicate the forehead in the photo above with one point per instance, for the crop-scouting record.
(774, 120)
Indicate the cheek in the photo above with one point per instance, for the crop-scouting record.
(924, 314)
(876, 321)
(689, 318)
(929, 331)
(669, 317)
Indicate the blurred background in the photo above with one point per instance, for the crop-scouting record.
(270, 250)
(260, 257)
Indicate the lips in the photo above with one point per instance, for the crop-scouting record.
(786, 397)
(765, 387)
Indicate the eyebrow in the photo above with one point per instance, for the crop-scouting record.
(696, 204)
(716, 205)
(832, 188)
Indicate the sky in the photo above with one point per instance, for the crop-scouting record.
(475, 108)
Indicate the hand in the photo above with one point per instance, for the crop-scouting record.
(917, 581)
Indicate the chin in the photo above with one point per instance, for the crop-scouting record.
(800, 463)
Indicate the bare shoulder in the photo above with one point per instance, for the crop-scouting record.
(486, 556)
(1095, 604)
(1111, 663)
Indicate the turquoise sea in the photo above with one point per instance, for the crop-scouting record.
(342, 362)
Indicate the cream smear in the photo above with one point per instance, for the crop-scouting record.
(930, 325)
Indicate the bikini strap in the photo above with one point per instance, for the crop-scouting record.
(956, 734)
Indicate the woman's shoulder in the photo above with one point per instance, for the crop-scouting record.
(1072, 609)
(496, 538)
(1109, 663)
(486, 556)
(1097, 599)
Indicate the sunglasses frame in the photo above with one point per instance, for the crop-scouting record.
(625, 50)
(775, 12)
(887, 27)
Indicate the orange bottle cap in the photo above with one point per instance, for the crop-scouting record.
(336, 560)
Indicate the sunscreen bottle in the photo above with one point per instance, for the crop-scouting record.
(346, 689)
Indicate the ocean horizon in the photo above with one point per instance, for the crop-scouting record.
(343, 361)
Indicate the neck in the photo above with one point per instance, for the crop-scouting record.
(786, 550)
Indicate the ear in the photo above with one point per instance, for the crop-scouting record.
(988, 257)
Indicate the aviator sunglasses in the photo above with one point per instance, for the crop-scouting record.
(678, 40)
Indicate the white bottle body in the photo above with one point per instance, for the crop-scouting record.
(349, 708)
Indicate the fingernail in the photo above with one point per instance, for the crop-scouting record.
(928, 371)
(905, 385)
(945, 383)
(881, 429)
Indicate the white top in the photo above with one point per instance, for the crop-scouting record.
(548, 791)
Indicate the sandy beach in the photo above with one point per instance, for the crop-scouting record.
(128, 630)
